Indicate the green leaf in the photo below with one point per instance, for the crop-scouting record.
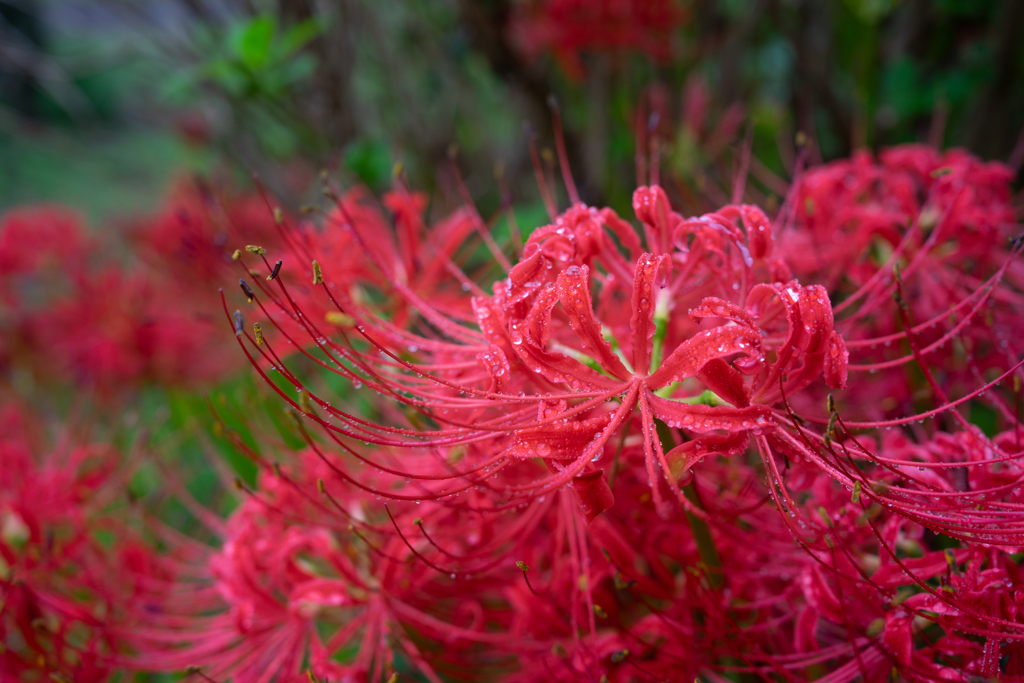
(255, 41)
(297, 36)
(871, 11)
(229, 76)
(370, 160)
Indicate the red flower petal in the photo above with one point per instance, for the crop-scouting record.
(837, 361)
(713, 307)
(557, 441)
(690, 356)
(574, 294)
(592, 493)
(703, 419)
(649, 277)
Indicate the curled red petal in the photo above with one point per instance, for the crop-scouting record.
(759, 231)
(538, 320)
(837, 362)
(494, 362)
(592, 493)
(690, 356)
(815, 316)
(574, 293)
(684, 456)
(490, 317)
(713, 307)
(559, 368)
(726, 381)
(652, 209)
(650, 271)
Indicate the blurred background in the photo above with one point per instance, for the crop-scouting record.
(103, 102)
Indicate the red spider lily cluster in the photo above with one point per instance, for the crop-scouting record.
(68, 566)
(647, 448)
(73, 306)
(945, 221)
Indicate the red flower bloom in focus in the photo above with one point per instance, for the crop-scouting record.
(717, 384)
(600, 375)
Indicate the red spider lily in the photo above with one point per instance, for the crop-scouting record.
(44, 238)
(570, 27)
(38, 244)
(414, 262)
(879, 578)
(60, 590)
(303, 578)
(188, 240)
(324, 585)
(582, 392)
(942, 220)
(71, 313)
(115, 329)
(523, 345)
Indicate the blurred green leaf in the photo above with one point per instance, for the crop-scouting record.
(227, 76)
(370, 160)
(254, 45)
(872, 11)
(299, 35)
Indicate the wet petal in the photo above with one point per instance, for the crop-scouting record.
(837, 361)
(592, 493)
(702, 419)
(558, 440)
(713, 307)
(560, 369)
(574, 293)
(650, 273)
(683, 457)
(538, 320)
(494, 362)
(757, 225)
(815, 317)
(652, 209)
(689, 357)
(725, 381)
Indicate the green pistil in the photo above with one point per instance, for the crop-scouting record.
(589, 360)
(578, 356)
(660, 329)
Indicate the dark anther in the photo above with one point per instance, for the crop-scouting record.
(247, 290)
